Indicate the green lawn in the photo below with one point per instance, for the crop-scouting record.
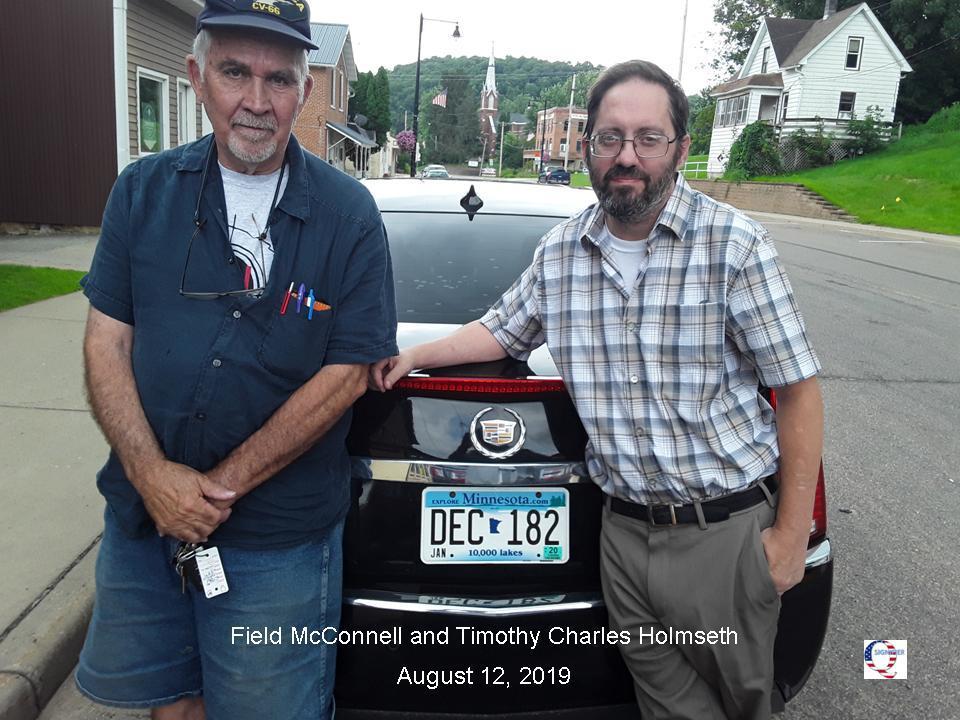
(579, 179)
(21, 285)
(914, 183)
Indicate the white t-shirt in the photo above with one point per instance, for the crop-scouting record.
(630, 256)
(248, 199)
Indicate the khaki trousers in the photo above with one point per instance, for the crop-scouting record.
(663, 584)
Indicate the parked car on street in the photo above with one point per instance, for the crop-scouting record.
(554, 175)
(434, 171)
(473, 521)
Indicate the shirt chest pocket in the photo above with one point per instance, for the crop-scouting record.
(691, 351)
(294, 347)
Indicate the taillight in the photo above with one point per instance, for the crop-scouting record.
(480, 385)
(818, 526)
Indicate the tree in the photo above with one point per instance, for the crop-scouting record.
(926, 31)
(449, 133)
(739, 20)
(701, 127)
(378, 104)
(519, 81)
(371, 99)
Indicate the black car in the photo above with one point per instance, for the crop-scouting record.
(554, 176)
(474, 523)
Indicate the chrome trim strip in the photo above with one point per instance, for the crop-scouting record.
(428, 604)
(446, 473)
(819, 555)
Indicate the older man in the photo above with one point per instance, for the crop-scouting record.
(664, 311)
(239, 291)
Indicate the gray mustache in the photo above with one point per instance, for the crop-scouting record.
(250, 120)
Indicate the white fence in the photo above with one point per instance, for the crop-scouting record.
(695, 170)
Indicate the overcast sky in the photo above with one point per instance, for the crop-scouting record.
(385, 33)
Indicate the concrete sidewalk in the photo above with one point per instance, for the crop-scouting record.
(51, 516)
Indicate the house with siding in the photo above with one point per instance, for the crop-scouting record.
(799, 73)
(103, 84)
(323, 127)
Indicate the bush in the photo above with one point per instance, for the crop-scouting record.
(807, 150)
(866, 134)
(754, 153)
(945, 119)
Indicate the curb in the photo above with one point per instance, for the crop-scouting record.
(848, 227)
(40, 652)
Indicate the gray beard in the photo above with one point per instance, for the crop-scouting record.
(630, 209)
(254, 158)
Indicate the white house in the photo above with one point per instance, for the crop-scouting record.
(799, 71)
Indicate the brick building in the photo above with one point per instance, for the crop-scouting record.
(323, 126)
(554, 144)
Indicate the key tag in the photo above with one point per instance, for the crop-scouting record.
(211, 572)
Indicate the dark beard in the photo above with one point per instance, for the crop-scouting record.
(625, 206)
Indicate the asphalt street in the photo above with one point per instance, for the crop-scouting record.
(882, 308)
(883, 313)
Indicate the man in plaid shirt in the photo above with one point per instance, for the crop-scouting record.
(664, 311)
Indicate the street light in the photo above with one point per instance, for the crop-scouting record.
(416, 90)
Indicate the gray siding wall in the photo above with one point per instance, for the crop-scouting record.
(159, 37)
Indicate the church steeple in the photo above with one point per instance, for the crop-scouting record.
(489, 96)
(489, 107)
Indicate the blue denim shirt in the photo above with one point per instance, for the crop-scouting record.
(211, 372)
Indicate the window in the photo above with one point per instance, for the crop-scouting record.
(186, 113)
(783, 111)
(424, 249)
(578, 146)
(152, 112)
(566, 125)
(847, 100)
(763, 63)
(854, 50)
(580, 127)
(333, 87)
(343, 90)
(732, 111)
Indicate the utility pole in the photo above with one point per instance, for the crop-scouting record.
(683, 39)
(543, 136)
(500, 167)
(573, 87)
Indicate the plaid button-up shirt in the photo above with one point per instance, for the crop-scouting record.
(664, 374)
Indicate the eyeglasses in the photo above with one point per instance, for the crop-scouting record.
(199, 224)
(645, 145)
(246, 292)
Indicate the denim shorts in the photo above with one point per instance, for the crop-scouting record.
(149, 644)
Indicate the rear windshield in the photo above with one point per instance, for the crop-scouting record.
(448, 269)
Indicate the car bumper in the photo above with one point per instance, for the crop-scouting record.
(514, 679)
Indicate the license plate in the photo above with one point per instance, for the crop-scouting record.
(478, 525)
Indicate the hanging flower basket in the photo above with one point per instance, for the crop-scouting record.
(406, 140)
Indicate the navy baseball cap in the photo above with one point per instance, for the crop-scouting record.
(290, 18)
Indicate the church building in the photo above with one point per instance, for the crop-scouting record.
(489, 108)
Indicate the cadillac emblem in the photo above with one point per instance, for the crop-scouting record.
(497, 432)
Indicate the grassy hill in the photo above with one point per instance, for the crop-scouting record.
(914, 183)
